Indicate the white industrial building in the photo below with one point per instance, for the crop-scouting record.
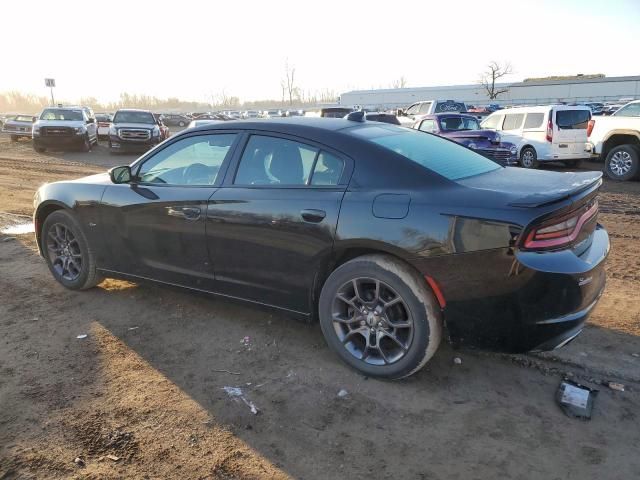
(605, 89)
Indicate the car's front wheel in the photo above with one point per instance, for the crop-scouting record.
(380, 317)
(622, 163)
(67, 252)
(529, 158)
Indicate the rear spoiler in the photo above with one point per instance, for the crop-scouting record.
(581, 182)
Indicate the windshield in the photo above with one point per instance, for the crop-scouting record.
(449, 124)
(55, 114)
(439, 155)
(630, 110)
(133, 117)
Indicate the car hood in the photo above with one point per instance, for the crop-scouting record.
(96, 179)
(148, 126)
(519, 187)
(488, 134)
(18, 123)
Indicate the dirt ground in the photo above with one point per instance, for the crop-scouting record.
(146, 386)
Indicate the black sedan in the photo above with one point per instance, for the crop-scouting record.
(385, 235)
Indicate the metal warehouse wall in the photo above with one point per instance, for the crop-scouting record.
(606, 89)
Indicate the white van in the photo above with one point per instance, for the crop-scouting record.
(544, 134)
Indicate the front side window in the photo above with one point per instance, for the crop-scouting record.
(492, 122)
(436, 154)
(275, 161)
(190, 161)
(630, 110)
(513, 121)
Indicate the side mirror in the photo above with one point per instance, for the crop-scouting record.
(121, 174)
(34, 119)
(400, 113)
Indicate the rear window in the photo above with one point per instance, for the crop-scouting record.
(450, 107)
(534, 120)
(512, 121)
(573, 119)
(441, 156)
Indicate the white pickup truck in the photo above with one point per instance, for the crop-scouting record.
(616, 140)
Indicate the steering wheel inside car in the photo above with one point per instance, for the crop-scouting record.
(197, 174)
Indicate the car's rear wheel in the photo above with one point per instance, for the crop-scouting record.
(39, 149)
(67, 252)
(529, 158)
(380, 317)
(622, 163)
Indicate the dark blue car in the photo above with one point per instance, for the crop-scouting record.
(465, 130)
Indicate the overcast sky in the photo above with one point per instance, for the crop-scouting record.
(193, 50)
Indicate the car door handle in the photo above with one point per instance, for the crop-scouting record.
(188, 213)
(312, 215)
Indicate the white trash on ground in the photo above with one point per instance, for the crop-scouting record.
(236, 392)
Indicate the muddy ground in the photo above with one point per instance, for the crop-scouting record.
(146, 386)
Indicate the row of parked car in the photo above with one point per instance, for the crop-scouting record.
(527, 136)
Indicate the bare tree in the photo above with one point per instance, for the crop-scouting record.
(288, 82)
(494, 72)
(400, 82)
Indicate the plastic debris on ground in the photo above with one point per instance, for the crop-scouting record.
(576, 400)
(236, 392)
(343, 393)
(616, 386)
(81, 336)
(457, 361)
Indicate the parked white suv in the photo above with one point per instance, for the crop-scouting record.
(545, 133)
(616, 140)
(65, 127)
(427, 107)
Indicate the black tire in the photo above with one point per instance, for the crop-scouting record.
(529, 158)
(86, 144)
(39, 149)
(88, 276)
(416, 300)
(14, 138)
(181, 124)
(572, 163)
(622, 163)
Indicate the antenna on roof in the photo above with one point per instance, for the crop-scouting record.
(356, 116)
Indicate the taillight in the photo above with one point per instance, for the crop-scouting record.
(550, 128)
(590, 125)
(560, 231)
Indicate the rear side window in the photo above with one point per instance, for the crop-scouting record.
(424, 107)
(441, 156)
(534, 120)
(328, 170)
(513, 121)
(573, 119)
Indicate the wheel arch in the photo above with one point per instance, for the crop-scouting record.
(43, 210)
(618, 138)
(343, 253)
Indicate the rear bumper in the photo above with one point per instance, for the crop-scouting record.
(520, 302)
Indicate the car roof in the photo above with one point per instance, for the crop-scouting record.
(448, 114)
(540, 109)
(286, 124)
(133, 110)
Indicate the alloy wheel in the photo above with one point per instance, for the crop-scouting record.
(372, 321)
(527, 158)
(64, 252)
(620, 163)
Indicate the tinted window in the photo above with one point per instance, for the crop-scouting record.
(328, 170)
(190, 161)
(631, 110)
(428, 126)
(492, 122)
(573, 119)
(424, 107)
(133, 117)
(459, 123)
(512, 121)
(275, 161)
(534, 120)
(441, 156)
